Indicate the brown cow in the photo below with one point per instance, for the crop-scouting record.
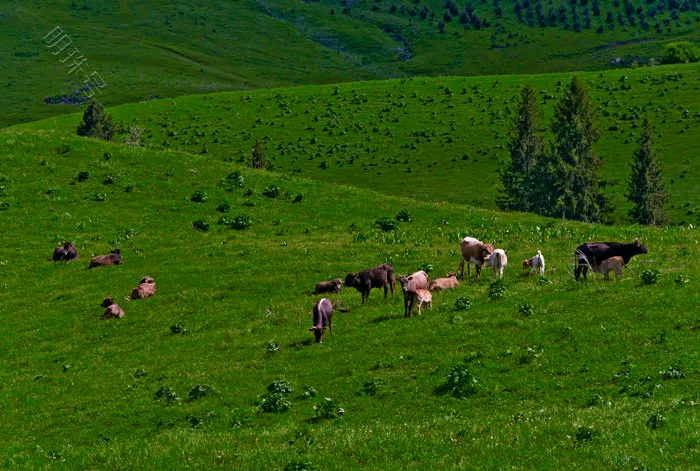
(68, 252)
(476, 252)
(409, 285)
(333, 286)
(114, 258)
(113, 310)
(146, 288)
(441, 284)
(609, 264)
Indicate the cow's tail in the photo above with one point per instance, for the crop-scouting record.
(539, 254)
(498, 263)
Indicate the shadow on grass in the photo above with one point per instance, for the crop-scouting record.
(301, 344)
(381, 319)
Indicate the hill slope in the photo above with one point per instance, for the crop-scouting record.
(432, 139)
(601, 375)
(170, 49)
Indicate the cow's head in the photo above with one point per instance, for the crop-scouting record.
(527, 264)
(338, 285)
(68, 245)
(351, 280)
(486, 250)
(147, 279)
(318, 332)
(639, 248)
(116, 251)
(451, 274)
(108, 301)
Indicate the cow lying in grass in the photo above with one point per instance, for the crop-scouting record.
(441, 284)
(322, 315)
(476, 252)
(113, 310)
(114, 258)
(536, 263)
(66, 253)
(592, 254)
(410, 285)
(333, 286)
(146, 288)
(377, 277)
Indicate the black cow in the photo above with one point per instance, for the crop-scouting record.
(68, 252)
(322, 315)
(377, 277)
(595, 252)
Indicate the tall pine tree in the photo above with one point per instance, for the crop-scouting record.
(646, 189)
(570, 183)
(525, 144)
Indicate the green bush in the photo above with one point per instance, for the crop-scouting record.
(461, 382)
(201, 390)
(82, 176)
(4, 205)
(96, 123)
(178, 329)
(681, 52)
(235, 179)
(309, 391)
(373, 387)
(650, 277)
(272, 347)
(272, 191)
(497, 289)
(199, 196)
(526, 309)
(168, 395)
(300, 466)
(681, 280)
(201, 225)
(275, 403)
(656, 421)
(427, 267)
(224, 207)
(386, 224)
(404, 216)
(328, 410)
(280, 387)
(241, 222)
(463, 303)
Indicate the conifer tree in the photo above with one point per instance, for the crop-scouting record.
(646, 189)
(257, 156)
(570, 183)
(525, 144)
(96, 123)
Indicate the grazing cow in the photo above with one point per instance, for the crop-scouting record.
(146, 288)
(322, 315)
(441, 284)
(498, 262)
(377, 277)
(536, 263)
(592, 254)
(113, 310)
(476, 252)
(609, 264)
(409, 285)
(114, 258)
(68, 252)
(333, 286)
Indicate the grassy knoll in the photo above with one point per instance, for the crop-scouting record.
(598, 375)
(163, 49)
(433, 139)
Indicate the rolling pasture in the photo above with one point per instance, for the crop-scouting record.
(440, 139)
(163, 49)
(542, 374)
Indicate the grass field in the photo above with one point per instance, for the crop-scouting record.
(437, 139)
(597, 375)
(166, 49)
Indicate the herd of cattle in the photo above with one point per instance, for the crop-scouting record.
(147, 287)
(599, 257)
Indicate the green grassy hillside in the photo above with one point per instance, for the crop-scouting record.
(432, 139)
(165, 49)
(597, 375)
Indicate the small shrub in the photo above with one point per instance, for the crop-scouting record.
(300, 466)
(272, 347)
(386, 224)
(201, 225)
(82, 176)
(240, 223)
(427, 267)
(672, 372)
(168, 395)
(585, 434)
(280, 387)
(595, 400)
(525, 309)
(545, 281)
(656, 421)
(201, 390)
(272, 191)
(497, 289)
(4, 205)
(235, 179)
(650, 277)
(178, 329)
(275, 403)
(109, 179)
(129, 189)
(63, 150)
(199, 196)
(309, 391)
(224, 207)
(373, 387)
(328, 410)
(463, 303)
(99, 197)
(225, 221)
(681, 280)
(461, 382)
(404, 216)
(298, 198)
